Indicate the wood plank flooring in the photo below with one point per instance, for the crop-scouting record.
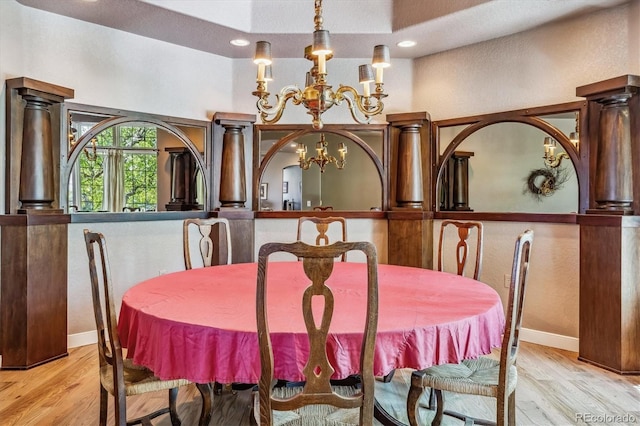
(554, 388)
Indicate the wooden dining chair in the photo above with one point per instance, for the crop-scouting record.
(462, 247)
(206, 242)
(318, 262)
(119, 376)
(483, 376)
(462, 250)
(322, 226)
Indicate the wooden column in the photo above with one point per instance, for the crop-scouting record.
(33, 247)
(233, 182)
(231, 170)
(615, 162)
(409, 190)
(455, 183)
(410, 226)
(183, 181)
(610, 229)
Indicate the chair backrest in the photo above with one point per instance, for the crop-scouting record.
(109, 348)
(318, 262)
(462, 248)
(323, 209)
(517, 287)
(205, 244)
(322, 226)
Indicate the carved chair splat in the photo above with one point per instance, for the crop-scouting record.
(317, 262)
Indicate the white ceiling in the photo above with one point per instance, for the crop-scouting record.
(355, 25)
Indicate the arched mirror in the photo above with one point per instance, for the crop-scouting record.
(129, 162)
(338, 168)
(527, 161)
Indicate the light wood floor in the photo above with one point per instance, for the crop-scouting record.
(554, 388)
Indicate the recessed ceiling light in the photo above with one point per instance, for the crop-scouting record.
(406, 43)
(240, 42)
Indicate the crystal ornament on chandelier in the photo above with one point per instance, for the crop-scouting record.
(318, 96)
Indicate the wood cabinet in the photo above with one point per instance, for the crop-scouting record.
(33, 274)
(610, 292)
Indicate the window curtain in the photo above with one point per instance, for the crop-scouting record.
(113, 200)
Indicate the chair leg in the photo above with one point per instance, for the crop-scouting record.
(415, 391)
(104, 401)
(173, 412)
(440, 408)
(511, 410)
(503, 402)
(120, 409)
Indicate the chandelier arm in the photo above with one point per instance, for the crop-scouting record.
(287, 92)
(365, 109)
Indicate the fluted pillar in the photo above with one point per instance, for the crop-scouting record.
(33, 247)
(233, 184)
(183, 180)
(36, 168)
(231, 132)
(410, 221)
(614, 172)
(616, 169)
(610, 231)
(409, 190)
(461, 180)
(31, 169)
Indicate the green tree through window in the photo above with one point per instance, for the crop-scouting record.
(138, 144)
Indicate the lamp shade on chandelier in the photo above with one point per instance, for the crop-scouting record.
(318, 96)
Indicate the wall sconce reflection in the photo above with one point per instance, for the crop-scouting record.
(574, 136)
(550, 158)
(322, 158)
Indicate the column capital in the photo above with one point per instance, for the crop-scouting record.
(625, 84)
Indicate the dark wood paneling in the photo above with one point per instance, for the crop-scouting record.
(600, 295)
(33, 307)
(508, 217)
(241, 226)
(609, 292)
(411, 242)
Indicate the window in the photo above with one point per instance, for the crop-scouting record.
(119, 170)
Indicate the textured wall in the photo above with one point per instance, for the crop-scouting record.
(551, 303)
(538, 67)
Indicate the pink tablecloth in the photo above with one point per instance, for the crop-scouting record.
(200, 324)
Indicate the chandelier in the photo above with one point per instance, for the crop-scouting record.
(322, 158)
(318, 96)
(550, 158)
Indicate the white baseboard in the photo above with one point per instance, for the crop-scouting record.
(549, 339)
(82, 339)
(526, 334)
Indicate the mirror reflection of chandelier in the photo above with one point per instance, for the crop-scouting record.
(550, 158)
(322, 158)
(318, 96)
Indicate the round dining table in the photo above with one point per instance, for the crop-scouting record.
(200, 324)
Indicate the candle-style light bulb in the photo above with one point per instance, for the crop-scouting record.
(381, 60)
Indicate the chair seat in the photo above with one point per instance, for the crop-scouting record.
(137, 379)
(474, 376)
(309, 414)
